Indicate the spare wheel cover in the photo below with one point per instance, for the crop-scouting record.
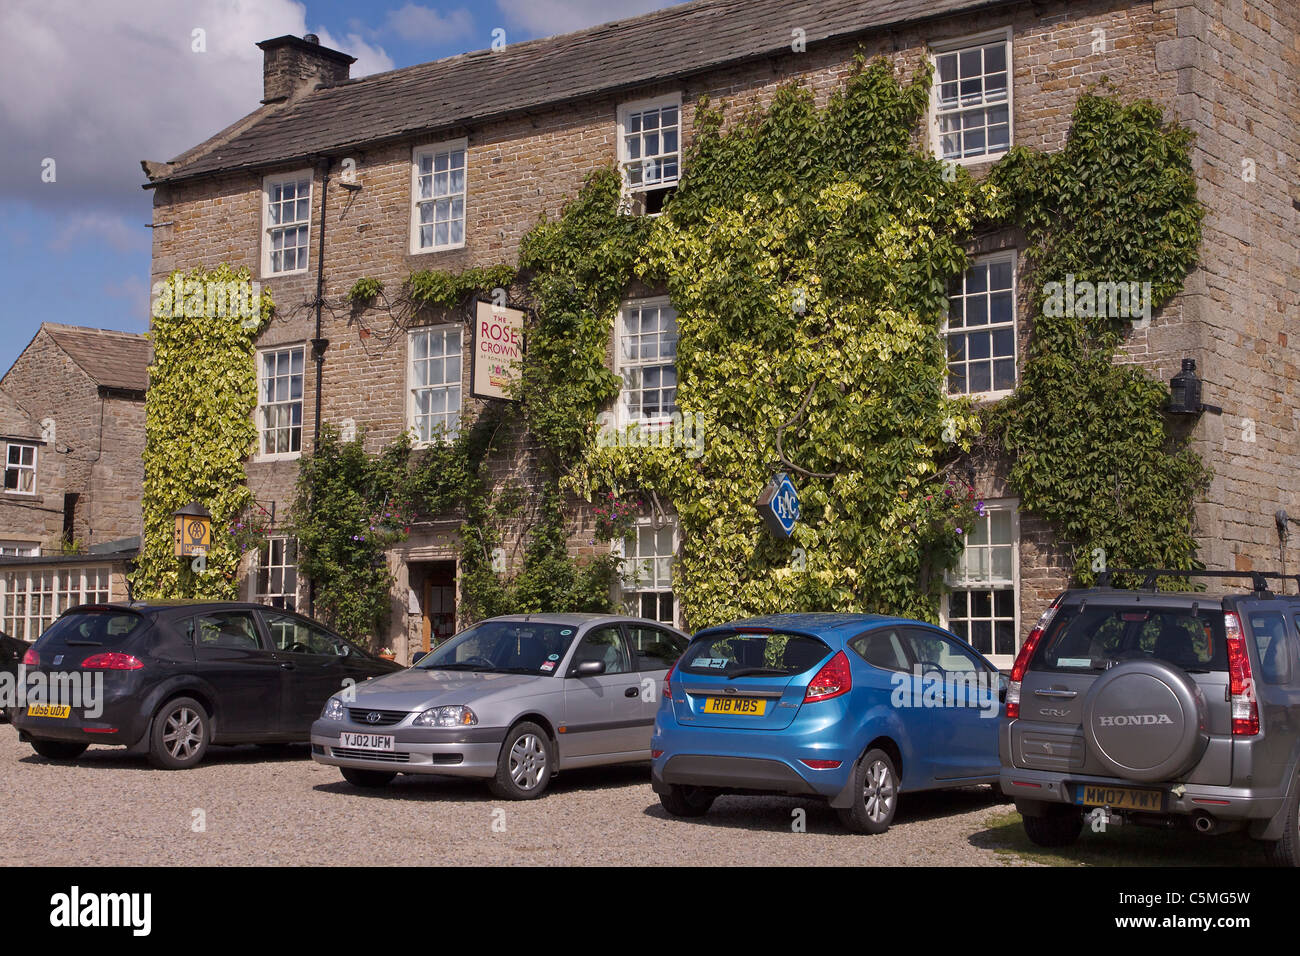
(1145, 720)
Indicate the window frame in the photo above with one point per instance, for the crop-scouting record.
(951, 585)
(627, 109)
(19, 549)
(433, 149)
(957, 45)
(622, 417)
(1011, 256)
(268, 183)
(34, 467)
(412, 422)
(618, 547)
(262, 405)
(263, 565)
(20, 625)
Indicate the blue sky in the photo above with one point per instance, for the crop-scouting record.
(97, 87)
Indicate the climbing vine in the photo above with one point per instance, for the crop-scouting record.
(1113, 212)
(809, 300)
(199, 427)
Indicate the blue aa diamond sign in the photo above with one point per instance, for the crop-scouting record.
(779, 505)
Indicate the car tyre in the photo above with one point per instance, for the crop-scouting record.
(179, 736)
(682, 801)
(1286, 851)
(525, 765)
(875, 785)
(367, 779)
(58, 749)
(1055, 829)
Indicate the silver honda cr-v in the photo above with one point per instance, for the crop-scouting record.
(1161, 708)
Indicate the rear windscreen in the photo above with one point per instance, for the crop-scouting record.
(1096, 637)
(753, 655)
(106, 628)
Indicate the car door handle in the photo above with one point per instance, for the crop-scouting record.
(287, 665)
(632, 692)
(1057, 694)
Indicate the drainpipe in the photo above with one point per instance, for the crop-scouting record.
(319, 344)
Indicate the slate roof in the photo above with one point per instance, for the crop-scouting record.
(472, 87)
(111, 359)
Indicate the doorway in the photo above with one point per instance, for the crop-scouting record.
(435, 583)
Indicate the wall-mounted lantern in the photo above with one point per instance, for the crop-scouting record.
(1185, 392)
(193, 530)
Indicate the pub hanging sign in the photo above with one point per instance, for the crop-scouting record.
(779, 505)
(498, 344)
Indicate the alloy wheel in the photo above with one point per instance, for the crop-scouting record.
(878, 791)
(527, 761)
(182, 733)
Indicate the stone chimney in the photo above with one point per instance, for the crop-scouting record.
(293, 66)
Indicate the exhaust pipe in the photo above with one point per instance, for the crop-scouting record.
(1204, 823)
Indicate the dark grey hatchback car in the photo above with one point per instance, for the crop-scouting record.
(1159, 708)
(170, 679)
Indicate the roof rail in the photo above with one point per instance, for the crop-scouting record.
(1258, 579)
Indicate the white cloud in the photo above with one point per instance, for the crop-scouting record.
(548, 17)
(98, 227)
(413, 22)
(132, 288)
(100, 86)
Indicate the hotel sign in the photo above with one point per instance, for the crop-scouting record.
(498, 343)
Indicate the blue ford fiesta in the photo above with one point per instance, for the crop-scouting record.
(854, 708)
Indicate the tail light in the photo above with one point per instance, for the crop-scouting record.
(1022, 660)
(668, 690)
(112, 661)
(832, 680)
(820, 764)
(1241, 684)
(31, 658)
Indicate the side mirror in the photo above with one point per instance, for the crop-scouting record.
(417, 657)
(590, 669)
(345, 650)
(1003, 683)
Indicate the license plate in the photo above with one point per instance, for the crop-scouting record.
(1118, 798)
(368, 741)
(49, 710)
(744, 706)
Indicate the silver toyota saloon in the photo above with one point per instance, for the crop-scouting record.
(513, 700)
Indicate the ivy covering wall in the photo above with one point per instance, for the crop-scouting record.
(199, 431)
(807, 252)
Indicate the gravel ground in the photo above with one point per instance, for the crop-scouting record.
(271, 808)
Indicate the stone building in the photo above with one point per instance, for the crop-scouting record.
(72, 422)
(447, 165)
